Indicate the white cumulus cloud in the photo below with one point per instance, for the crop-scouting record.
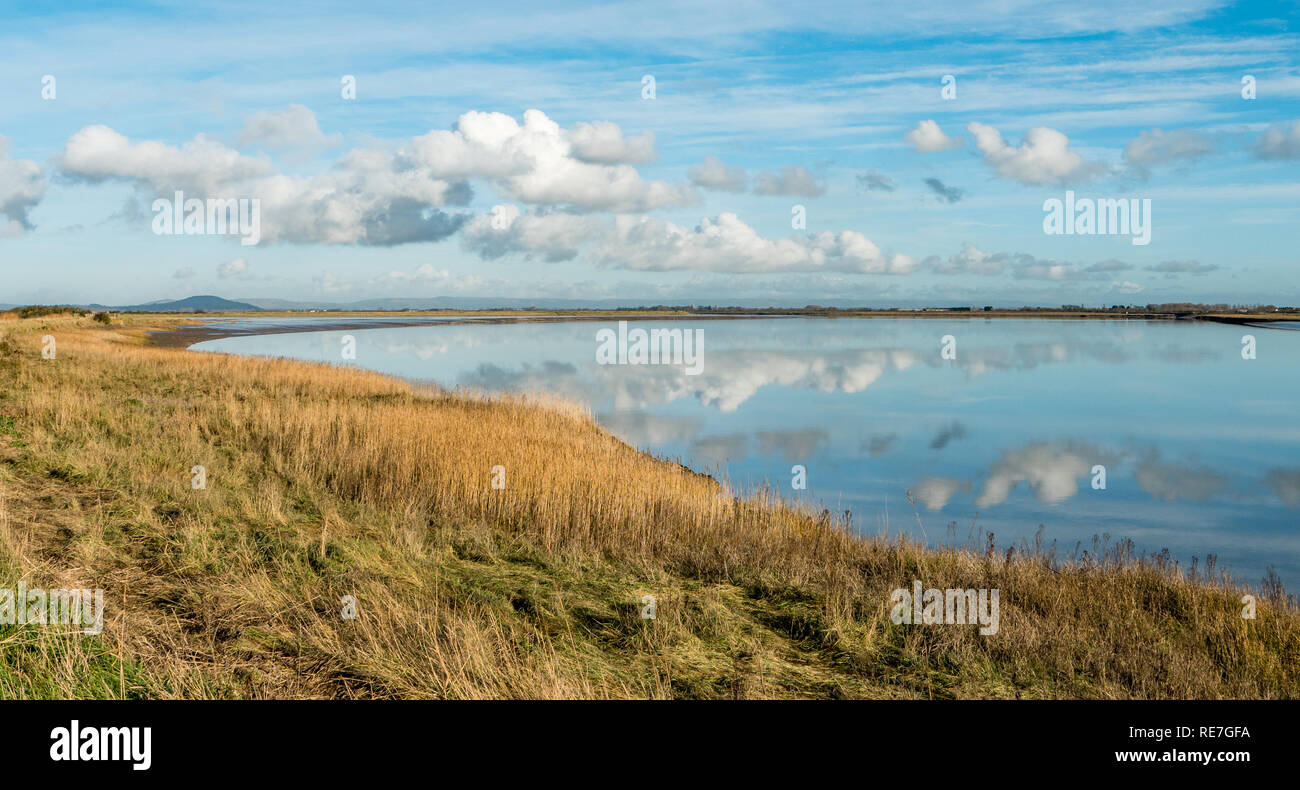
(294, 128)
(1279, 142)
(1158, 147)
(371, 197)
(22, 185)
(1043, 157)
(203, 165)
(538, 162)
(236, 268)
(928, 138)
(727, 244)
(789, 180)
(713, 173)
(603, 142)
(553, 237)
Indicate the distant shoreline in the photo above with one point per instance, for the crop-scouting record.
(186, 336)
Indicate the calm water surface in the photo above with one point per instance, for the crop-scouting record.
(1201, 447)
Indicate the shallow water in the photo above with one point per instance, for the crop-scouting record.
(1201, 447)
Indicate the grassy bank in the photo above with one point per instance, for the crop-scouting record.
(326, 482)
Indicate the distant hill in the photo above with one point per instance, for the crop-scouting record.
(211, 304)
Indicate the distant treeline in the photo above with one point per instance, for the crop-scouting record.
(39, 310)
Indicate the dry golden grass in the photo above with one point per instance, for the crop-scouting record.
(325, 482)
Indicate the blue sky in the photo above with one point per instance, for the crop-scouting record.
(758, 108)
